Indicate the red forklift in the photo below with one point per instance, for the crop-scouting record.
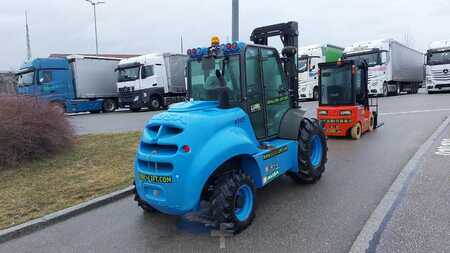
(345, 108)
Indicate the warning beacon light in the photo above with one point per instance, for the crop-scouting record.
(215, 41)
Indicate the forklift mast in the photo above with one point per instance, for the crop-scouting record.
(288, 33)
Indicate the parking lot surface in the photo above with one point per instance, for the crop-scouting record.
(325, 217)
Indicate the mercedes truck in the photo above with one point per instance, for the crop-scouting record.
(438, 66)
(393, 67)
(72, 84)
(152, 81)
(309, 58)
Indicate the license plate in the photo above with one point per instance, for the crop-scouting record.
(155, 179)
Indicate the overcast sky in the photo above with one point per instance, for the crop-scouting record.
(144, 26)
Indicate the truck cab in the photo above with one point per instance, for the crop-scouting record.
(309, 58)
(376, 54)
(152, 81)
(437, 67)
(47, 78)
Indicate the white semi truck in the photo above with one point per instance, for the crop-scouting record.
(152, 81)
(393, 67)
(438, 66)
(309, 58)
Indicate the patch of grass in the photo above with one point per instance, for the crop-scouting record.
(98, 164)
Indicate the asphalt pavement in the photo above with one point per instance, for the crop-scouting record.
(325, 217)
(421, 221)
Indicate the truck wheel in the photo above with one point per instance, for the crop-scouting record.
(371, 123)
(59, 107)
(155, 103)
(135, 108)
(316, 94)
(431, 92)
(109, 105)
(95, 111)
(356, 131)
(312, 152)
(385, 90)
(233, 201)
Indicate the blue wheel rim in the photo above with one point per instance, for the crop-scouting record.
(243, 203)
(316, 151)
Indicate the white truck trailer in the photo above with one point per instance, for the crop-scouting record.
(393, 67)
(309, 58)
(152, 81)
(438, 66)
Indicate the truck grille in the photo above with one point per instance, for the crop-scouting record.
(126, 89)
(157, 149)
(439, 75)
(155, 167)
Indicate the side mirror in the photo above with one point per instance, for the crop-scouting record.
(289, 51)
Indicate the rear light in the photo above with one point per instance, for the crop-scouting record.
(228, 46)
(323, 112)
(186, 149)
(345, 113)
(353, 69)
(234, 45)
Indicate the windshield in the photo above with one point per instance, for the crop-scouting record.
(372, 59)
(302, 65)
(26, 78)
(203, 80)
(128, 74)
(336, 85)
(435, 58)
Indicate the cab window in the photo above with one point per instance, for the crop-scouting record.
(45, 76)
(147, 71)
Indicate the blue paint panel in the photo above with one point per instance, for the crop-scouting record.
(214, 136)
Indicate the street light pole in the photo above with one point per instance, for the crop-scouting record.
(94, 4)
(235, 20)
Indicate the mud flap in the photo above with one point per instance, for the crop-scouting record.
(290, 123)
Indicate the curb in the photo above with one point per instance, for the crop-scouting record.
(367, 239)
(49, 219)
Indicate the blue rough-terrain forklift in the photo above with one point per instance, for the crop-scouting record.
(240, 129)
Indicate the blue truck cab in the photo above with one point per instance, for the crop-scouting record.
(56, 81)
(239, 131)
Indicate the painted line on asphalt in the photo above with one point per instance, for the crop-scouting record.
(417, 111)
(40, 223)
(370, 234)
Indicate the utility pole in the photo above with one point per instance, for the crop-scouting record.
(182, 48)
(94, 4)
(235, 20)
(27, 31)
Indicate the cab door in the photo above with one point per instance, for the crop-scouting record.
(266, 91)
(52, 84)
(254, 94)
(275, 90)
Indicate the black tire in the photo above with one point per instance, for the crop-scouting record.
(316, 93)
(431, 92)
(95, 111)
(58, 107)
(109, 105)
(308, 173)
(385, 90)
(135, 109)
(146, 207)
(224, 200)
(155, 103)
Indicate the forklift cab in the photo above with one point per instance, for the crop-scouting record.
(344, 107)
